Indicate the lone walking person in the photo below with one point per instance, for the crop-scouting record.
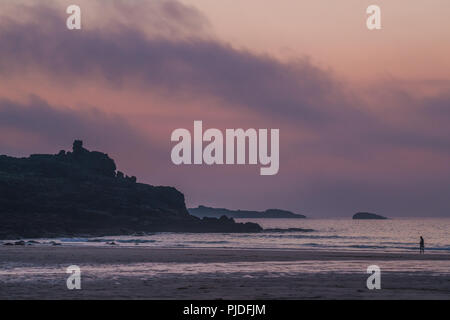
(422, 245)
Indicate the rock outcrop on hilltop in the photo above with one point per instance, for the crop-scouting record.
(367, 215)
(202, 211)
(80, 193)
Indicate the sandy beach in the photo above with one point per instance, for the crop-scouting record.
(39, 272)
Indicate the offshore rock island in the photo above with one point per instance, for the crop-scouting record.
(203, 211)
(367, 216)
(80, 193)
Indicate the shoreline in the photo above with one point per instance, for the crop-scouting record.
(97, 254)
(38, 272)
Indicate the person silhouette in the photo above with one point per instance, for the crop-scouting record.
(422, 245)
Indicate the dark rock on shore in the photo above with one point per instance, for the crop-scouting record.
(367, 216)
(203, 211)
(80, 193)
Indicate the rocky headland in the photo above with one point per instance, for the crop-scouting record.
(81, 193)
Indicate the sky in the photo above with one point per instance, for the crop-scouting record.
(363, 115)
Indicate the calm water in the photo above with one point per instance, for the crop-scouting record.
(342, 234)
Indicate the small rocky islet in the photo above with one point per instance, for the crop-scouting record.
(367, 216)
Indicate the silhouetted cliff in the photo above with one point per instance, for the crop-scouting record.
(80, 193)
(202, 211)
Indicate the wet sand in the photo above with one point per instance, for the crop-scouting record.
(39, 272)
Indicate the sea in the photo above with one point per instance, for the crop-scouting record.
(392, 235)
